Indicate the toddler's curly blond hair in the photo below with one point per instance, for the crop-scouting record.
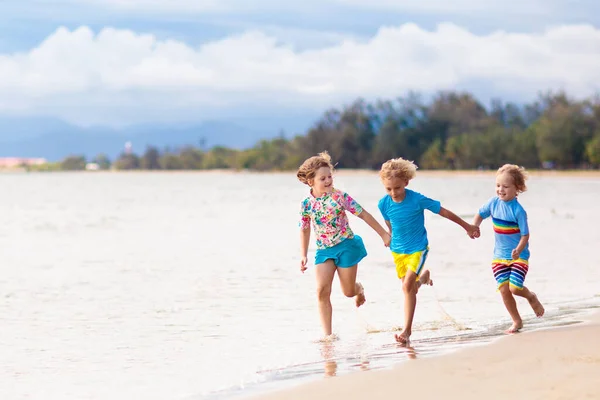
(310, 166)
(518, 174)
(398, 168)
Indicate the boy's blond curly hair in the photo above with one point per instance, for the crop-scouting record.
(398, 168)
(518, 174)
(309, 167)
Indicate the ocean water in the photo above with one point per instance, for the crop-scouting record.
(182, 286)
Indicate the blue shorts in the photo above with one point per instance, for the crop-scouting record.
(345, 254)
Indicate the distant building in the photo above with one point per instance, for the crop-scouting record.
(128, 148)
(92, 167)
(16, 162)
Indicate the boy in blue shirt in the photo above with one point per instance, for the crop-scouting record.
(404, 213)
(511, 251)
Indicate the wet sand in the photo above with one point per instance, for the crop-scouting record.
(558, 363)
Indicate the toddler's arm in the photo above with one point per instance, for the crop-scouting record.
(522, 243)
(472, 230)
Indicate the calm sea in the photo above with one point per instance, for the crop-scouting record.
(181, 286)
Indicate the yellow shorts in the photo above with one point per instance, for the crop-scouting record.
(414, 262)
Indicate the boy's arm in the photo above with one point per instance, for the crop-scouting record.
(304, 240)
(389, 225)
(472, 230)
(522, 243)
(368, 218)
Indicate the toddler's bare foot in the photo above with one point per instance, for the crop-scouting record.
(360, 295)
(403, 337)
(538, 308)
(516, 327)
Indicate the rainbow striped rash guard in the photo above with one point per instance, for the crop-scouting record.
(509, 219)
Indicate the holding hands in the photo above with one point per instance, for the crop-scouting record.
(387, 239)
(473, 231)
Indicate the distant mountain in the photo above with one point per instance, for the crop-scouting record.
(55, 139)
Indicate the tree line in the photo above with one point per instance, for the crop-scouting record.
(453, 130)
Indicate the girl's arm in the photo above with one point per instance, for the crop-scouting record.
(472, 230)
(368, 218)
(304, 240)
(522, 243)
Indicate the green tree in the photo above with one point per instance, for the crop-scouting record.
(127, 161)
(73, 163)
(103, 161)
(592, 150)
(150, 158)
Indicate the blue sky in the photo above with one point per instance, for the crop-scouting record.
(121, 62)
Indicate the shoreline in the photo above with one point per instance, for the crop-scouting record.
(548, 363)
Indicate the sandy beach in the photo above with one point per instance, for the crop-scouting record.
(559, 363)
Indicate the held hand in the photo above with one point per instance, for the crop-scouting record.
(515, 254)
(303, 264)
(473, 231)
(387, 239)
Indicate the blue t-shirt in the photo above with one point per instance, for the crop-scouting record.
(407, 219)
(509, 219)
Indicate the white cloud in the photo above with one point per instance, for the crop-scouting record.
(80, 74)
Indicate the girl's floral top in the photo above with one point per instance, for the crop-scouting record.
(328, 215)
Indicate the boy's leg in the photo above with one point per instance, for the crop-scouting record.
(409, 287)
(324, 273)
(511, 307)
(350, 287)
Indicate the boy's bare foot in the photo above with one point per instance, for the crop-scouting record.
(360, 296)
(425, 278)
(538, 308)
(403, 337)
(516, 327)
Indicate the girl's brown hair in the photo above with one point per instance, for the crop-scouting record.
(518, 174)
(398, 168)
(309, 167)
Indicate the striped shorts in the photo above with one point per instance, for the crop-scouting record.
(512, 272)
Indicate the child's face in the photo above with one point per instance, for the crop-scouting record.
(395, 188)
(323, 181)
(505, 187)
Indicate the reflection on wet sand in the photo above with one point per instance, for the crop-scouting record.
(328, 354)
(407, 349)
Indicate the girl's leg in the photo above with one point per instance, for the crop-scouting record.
(350, 287)
(409, 287)
(324, 273)
(511, 307)
(535, 304)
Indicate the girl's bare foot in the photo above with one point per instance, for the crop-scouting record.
(360, 295)
(538, 308)
(403, 337)
(516, 327)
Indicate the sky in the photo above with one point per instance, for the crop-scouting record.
(123, 62)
